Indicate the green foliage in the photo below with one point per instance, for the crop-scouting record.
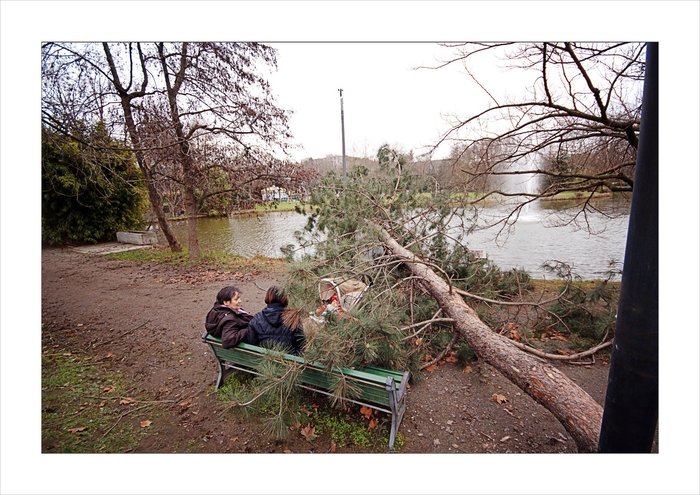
(587, 312)
(342, 427)
(348, 212)
(271, 394)
(476, 275)
(388, 328)
(278, 206)
(346, 430)
(388, 157)
(88, 192)
(559, 163)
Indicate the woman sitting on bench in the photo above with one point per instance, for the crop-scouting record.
(227, 320)
(277, 325)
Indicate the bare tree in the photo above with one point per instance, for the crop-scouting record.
(167, 97)
(584, 101)
(216, 89)
(80, 82)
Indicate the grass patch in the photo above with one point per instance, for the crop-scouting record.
(555, 286)
(569, 195)
(217, 260)
(277, 206)
(87, 409)
(345, 428)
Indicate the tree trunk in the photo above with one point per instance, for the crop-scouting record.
(184, 147)
(125, 99)
(191, 207)
(153, 195)
(577, 411)
(157, 205)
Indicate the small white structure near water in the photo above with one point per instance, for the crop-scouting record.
(138, 237)
(274, 193)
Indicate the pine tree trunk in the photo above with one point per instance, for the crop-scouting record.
(577, 411)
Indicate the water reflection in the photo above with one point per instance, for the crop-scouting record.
(247, 235)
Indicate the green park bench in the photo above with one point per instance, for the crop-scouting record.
(381, 389)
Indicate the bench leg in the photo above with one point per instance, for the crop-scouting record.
(397, 406)
(223, 371)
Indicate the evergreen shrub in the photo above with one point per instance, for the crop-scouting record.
(88, 192)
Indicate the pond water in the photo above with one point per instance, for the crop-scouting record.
(589, 244)
(533, 240)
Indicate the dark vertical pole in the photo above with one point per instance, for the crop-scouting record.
(342, 128)
(632, 398)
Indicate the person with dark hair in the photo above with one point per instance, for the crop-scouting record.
(226, 320)
(277, 325)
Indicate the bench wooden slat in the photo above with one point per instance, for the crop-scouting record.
(369, 374)
(373, 390)
(381, 389)
(383, 372)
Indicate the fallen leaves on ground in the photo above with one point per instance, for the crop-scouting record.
(146, 423)
(500, 399)
(467, 369)
(185, 403)
(373, 423)
(332, 448)
(553, 335)
(431, 368)
(366, 412)
(78, 429)
(513, 331)
(108, 389)
(127, 400)
(308, 432)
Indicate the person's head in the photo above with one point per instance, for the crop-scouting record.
(276, 295)
(229, 296)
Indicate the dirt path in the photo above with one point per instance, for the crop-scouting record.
(145, 321)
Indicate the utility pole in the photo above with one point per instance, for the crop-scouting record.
(342, 127)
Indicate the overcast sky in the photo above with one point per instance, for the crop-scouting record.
(387, 99)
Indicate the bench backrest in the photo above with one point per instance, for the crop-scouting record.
(370, 381)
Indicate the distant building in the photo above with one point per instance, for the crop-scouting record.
(274, 193)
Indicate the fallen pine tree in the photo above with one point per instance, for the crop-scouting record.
(577, 411)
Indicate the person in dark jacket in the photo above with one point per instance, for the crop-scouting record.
(227, 320)
(277, 325)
